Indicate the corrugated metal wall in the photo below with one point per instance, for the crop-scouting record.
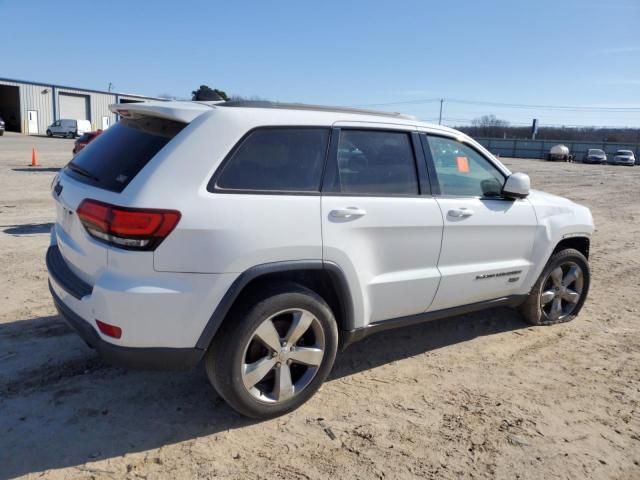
(34, 97)
(100, 108)
(40, 97)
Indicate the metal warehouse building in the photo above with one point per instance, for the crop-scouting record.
(30, 107)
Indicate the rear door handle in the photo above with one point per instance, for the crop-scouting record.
(460, 212)
(348, 212)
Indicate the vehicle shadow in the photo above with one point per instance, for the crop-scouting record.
(36, 169)
(69, 410)
(27, 229)
(392, 345)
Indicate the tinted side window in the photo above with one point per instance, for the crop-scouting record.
(376, 163)
(462, 171)
(277, 159)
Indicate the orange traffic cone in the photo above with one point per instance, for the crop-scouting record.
(34, 158)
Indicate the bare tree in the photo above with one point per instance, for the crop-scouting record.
(557, 133)
(489, 126)
(252, 98)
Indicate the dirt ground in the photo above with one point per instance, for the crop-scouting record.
(477, 396)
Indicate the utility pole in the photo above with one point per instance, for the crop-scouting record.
(110, 86)
(440, 117)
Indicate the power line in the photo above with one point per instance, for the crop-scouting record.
(575, 108)
(580, 108)
(542, 125)
(408, 102)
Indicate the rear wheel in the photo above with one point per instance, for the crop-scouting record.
(271, 357)
(49, 133)
(561, 290)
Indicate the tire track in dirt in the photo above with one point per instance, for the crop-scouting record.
(43, 377)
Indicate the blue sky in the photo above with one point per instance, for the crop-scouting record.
(543, 52)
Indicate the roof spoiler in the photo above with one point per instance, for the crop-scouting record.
(177, 111)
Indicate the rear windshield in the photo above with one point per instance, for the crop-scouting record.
(116, 156)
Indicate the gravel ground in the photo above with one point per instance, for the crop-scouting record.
(477, 396)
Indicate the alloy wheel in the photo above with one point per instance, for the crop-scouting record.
(283, 355)
(561, 291)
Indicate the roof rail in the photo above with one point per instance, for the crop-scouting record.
(304, 106)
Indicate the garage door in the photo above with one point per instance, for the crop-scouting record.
(74, 106)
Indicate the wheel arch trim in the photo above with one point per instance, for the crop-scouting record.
(336, 274)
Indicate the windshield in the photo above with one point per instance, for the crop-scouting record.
(624, 152)
(595, 151)
(116, 156)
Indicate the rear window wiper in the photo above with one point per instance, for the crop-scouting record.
(81, 171)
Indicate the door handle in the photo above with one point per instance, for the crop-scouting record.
(348, 212)
(460, 212)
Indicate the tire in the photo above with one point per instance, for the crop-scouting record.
(237, 345)
(70, 135)
(540, 307)
(49, 133)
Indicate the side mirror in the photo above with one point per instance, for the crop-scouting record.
(516, 186)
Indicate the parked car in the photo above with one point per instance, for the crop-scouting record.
(84, 140)
(624, 157)
(595, 155)
(298, 229)
(559, 152)
(2, 126)
(70, 128)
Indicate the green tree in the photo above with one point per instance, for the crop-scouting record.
(206, 93)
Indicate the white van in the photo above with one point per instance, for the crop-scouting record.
(68, 127)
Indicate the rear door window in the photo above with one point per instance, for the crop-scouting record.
(375, 162)
(118, 155)
(287, 159)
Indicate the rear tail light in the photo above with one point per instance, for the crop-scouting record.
(129, 228)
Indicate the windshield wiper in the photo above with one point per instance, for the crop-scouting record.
(82, 171)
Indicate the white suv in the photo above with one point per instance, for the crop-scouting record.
(262, 236)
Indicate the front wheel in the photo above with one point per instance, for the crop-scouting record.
(49, 133)
(560, 292)
(270, 358)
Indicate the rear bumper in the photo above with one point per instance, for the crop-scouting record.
(149, 358)
(622, 162)
(63, 280)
